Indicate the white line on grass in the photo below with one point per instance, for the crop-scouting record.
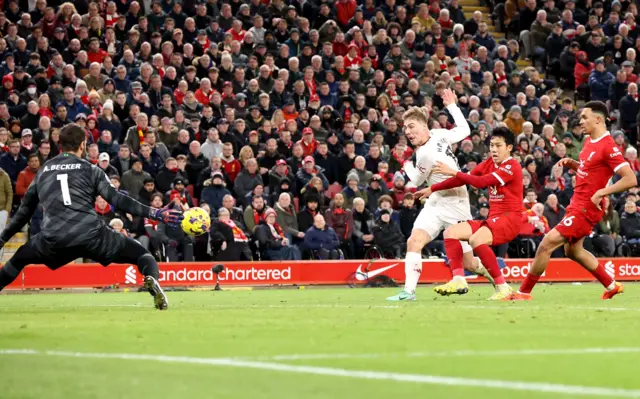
(462, 353)
(360, 374)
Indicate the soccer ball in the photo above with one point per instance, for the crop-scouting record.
(196, 222)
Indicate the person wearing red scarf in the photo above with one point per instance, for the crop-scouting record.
(440, 59)
(228, 241)
(273, 241)
(390, 84)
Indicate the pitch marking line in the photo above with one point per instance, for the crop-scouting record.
(359, 374)
(462, 353)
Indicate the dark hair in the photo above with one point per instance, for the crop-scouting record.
(31, 156)
(505, 133)
(530, 190)
(598, 107)
(71, 137)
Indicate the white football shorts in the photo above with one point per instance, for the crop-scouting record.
(434, 218)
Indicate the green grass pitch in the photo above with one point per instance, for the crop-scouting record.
(321, 343)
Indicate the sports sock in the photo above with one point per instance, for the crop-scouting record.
(454, 252)
(148, 266)
(412, 270)
(8, 273)
(485, 253)
(529, 282)
(603, 277)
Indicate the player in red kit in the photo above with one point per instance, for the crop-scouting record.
(600, 158)
(503, 175)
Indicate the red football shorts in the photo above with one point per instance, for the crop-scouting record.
(504, 228)
(575, 225)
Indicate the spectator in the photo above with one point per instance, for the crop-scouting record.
(12, 162)
(322, 239)
(359, 169)
(6, 199)
(151, 162)
(287, 218)
(27, 175)
(214, 190)
(272, 240)
(168, 174)
(363, 224)
(247, 179)
(178, 245)
(104, 210)
(341, 220)
(629, 108)
(228, 241)
(309, 171)
(377, 188)
(388, 235)
(308, 212)
(123, 162)
(553, 211)
(538, 225)
(631, 155)
(551, 187)
(600, 81)
(151, 239)
(607, 231)
(133, 179)
(213, 145)
(254, 214)
(408, 214)
(630, 223)
(353, 190)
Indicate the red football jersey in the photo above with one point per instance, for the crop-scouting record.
(599, 160)
(506, 197)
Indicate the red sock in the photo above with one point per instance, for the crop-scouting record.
(603, 277)
(488, 258)
(454, 252)
(529, 282)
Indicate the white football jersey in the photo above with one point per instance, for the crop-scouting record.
(438, 149)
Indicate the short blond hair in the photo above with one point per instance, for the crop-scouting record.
(420, 114)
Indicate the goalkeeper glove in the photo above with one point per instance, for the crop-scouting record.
(171, 217)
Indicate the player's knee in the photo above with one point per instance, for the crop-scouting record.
(449, 233)
(417, 241)
(476, 240)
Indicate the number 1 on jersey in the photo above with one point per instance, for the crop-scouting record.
(64, 185)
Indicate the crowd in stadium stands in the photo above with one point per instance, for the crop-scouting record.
(284, 121)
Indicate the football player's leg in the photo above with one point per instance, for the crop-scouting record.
(577, 253)
(26, 255)
(551, 241)
(453, 247)
(473, 264)
(135, 253)
(412, 264)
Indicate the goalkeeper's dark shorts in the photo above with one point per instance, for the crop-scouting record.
(109, 247)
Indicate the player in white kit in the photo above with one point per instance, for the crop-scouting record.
(443, 208)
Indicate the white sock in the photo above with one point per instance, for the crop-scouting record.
(611, 286)
(459, 279)
(412, 270)
(480, 265)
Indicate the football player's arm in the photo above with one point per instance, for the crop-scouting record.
(628, 180)
(414, 174)
(461, 131)
(480, 181)
(23, 215)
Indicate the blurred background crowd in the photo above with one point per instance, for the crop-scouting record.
(284, 120)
